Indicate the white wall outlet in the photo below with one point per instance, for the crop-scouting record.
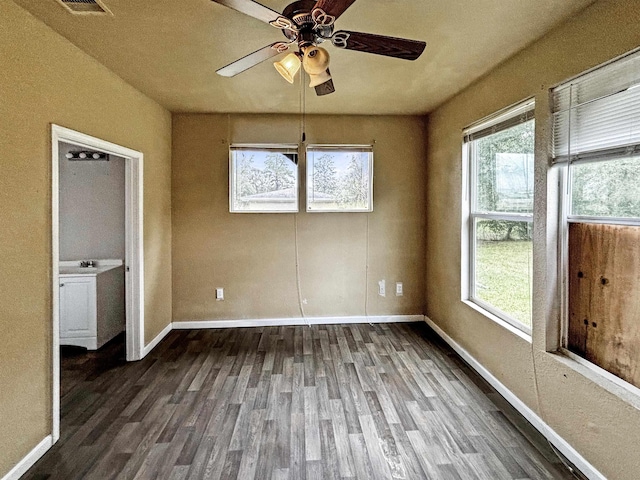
(399, 290)
(382, 288)
(219, 294)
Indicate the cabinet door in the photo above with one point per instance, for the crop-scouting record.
(77, 306)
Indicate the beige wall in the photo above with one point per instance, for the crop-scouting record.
(604, 429)
(253, 255)
(43, 80)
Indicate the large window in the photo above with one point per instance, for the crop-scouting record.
(500, 165)
(339, 178)
(263, 179)
(597, 145)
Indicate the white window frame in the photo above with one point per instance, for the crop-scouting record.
(264, 147)
(566, 218)
(345, 148)
(511, 116)
(614, 384)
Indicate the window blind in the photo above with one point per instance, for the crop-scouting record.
(340, 148)
(500, 121)
(289, 151)
(597, 115)
(277, 148)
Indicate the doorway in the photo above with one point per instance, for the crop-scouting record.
(133, 247)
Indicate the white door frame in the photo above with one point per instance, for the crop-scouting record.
(134, 252)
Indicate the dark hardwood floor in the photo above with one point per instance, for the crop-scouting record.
(320, 402)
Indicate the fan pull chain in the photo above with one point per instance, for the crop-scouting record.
(303, 134)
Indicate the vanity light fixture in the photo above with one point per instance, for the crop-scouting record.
(87, 155)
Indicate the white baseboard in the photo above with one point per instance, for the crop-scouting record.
(153, 343)
(276, 322)
(279, 322)
(556, 440)
(30, 459)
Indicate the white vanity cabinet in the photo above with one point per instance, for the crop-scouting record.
(92, 309)
(78, 311)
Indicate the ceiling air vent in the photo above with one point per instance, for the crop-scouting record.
(85, 6)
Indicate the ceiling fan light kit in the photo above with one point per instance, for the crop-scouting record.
(309, 23)
(316, 63)
(319, 79)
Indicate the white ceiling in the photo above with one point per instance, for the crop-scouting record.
(170, 50)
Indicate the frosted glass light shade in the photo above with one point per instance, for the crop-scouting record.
(319, 79)
(288, 67)
(316, 63)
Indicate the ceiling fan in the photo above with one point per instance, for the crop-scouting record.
(308, 23)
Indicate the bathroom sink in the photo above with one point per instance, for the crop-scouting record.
(77, 270)
(74, 267)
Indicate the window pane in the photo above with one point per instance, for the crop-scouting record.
(504, 170)
(608, 188)
(503, 267)
(339, 179)
(264, 180)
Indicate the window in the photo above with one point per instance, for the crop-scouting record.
(597, 144)
(263, 178)
(339, 178)
(500, 165)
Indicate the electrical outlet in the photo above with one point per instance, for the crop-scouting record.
(382, 288)
(399, 291)
(219, 294)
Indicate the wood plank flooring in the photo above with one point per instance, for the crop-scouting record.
(321, 402)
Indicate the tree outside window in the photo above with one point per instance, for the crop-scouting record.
(339, 179)
(264, 180)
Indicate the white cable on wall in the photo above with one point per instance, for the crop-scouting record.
(298, 284)
(542, 415)
(536, 386)
(295, 215)
(366, 272)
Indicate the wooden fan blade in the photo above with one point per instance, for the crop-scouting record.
(253, 59)
(255, 10)
(333, 8)
(379, 44)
